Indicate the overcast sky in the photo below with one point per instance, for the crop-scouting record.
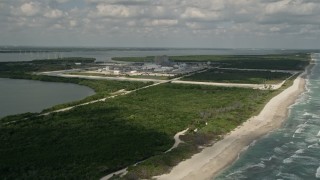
(161, 23)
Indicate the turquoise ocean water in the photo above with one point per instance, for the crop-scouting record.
(291, 152)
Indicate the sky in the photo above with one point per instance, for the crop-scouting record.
(161, 23)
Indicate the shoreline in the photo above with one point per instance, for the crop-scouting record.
(214, 159)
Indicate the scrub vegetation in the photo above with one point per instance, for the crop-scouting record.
(44, 65)
(238, 76)
(276, 61)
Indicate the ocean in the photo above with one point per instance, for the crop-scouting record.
(291, 152)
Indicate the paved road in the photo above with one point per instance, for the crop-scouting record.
(62, 74)
(176, 80)
(269, 70)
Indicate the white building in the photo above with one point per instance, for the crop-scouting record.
(150, 66)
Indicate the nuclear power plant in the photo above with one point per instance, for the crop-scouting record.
(161, 66)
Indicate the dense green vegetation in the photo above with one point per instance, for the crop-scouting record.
(238, 76)
(134, 59)
(26, 69)
(276, 61)
(44, 65)
(91, 141)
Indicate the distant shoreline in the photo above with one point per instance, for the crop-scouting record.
(212, 160)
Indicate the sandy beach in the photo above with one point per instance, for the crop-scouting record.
(209, 162)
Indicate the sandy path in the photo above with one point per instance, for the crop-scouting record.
(213, 159)
(177, 139)
(124, 171)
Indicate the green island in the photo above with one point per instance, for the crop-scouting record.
(91, 141)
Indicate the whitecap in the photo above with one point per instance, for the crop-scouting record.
(318, 173)
(312, 140)
(287, 160)
(260, 165)
(242, 170)
(307, 114)
(278, 150)
(307, 160)
(237, 174)
(268, 159)
(318, 135)
(298, 131)
(313, 145)
(253, 143)
(300, 151)
(311, 115)
(289, 176)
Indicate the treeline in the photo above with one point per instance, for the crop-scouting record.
(44, 65)
(65, 60)
(296, 61)
(134, 59)
(238, 76)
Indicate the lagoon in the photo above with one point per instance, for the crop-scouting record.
(21, 96)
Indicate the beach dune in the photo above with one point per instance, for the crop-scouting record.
(210, 161)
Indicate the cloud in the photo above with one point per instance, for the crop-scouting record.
(54, 13)
(63, 1)
(161, 22)
(291, 7)
(192, 13)
(141, 19)
(30, 8)
(113, 11)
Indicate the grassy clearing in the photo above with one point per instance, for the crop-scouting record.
(127, 76)
(238, 76)
(92, 141)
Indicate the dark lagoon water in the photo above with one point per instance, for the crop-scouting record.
(20, 96)
(293, 151)
(105, 54)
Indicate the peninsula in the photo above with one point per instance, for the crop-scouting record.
(176, 114)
